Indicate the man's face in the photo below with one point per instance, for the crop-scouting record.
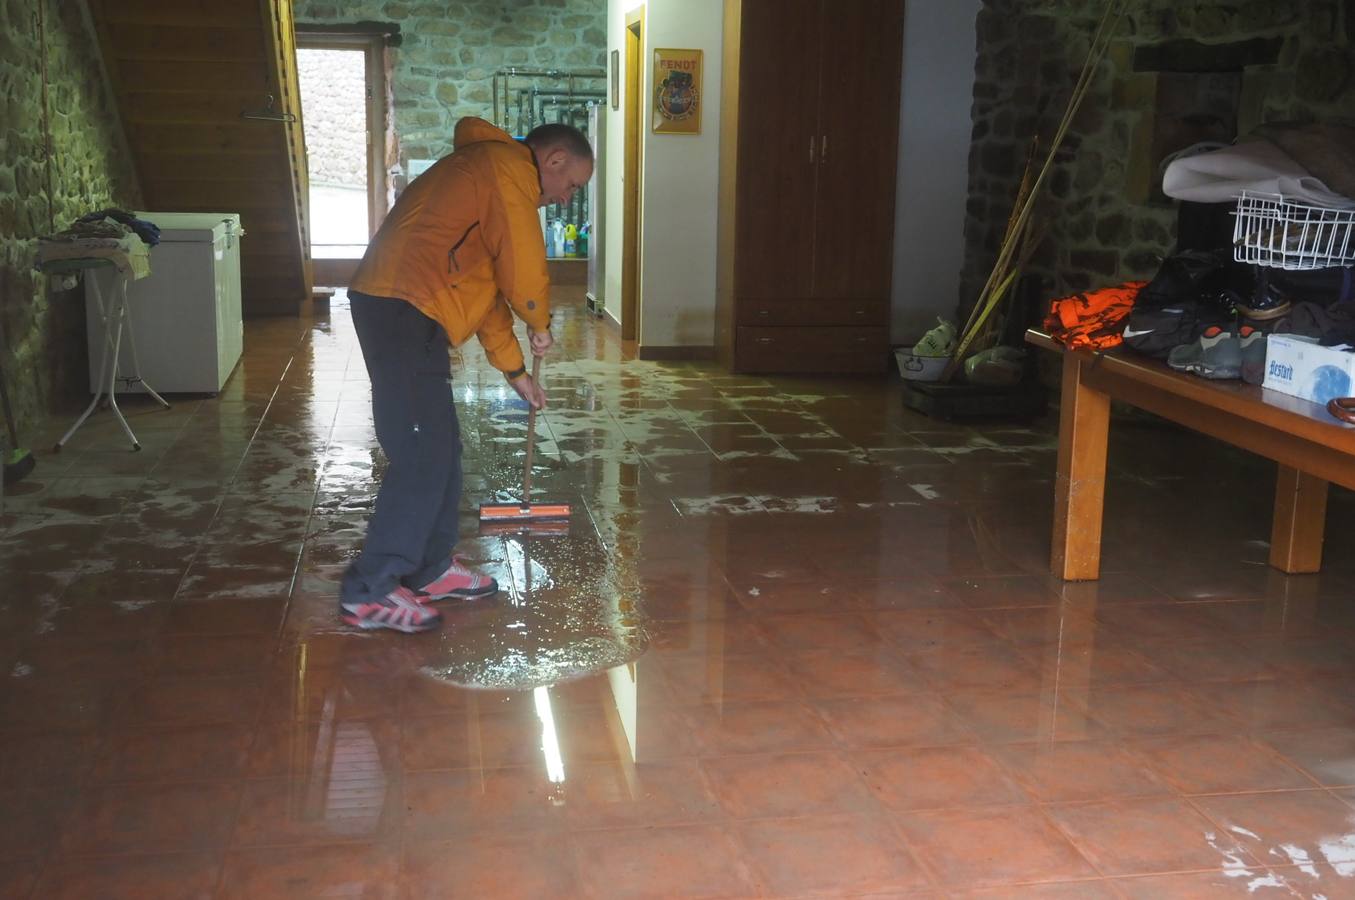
(562, 175)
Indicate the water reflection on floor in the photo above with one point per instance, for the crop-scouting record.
(793, 641)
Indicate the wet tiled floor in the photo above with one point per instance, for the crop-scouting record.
(795, 641)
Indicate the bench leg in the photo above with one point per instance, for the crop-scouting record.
(1300, 519)
(1079, 488)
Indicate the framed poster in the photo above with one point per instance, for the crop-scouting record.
(677, 92)
(616, 79)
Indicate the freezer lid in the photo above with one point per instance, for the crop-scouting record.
(178, 227)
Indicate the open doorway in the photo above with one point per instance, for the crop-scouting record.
(343, 94)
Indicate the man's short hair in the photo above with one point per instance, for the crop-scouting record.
(554, 134)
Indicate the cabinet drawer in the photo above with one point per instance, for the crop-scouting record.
(816, 311)
(806, 349)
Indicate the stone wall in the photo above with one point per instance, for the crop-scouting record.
(1159, 88)
(333, 83)
(449, 52)
(60, 157)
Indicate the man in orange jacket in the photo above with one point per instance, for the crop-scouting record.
(460, 254)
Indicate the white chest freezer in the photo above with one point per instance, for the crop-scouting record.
(186, 315)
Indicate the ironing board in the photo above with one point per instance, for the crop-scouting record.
(115, 320)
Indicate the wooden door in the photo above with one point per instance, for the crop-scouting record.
(859, 114)
(778, 122)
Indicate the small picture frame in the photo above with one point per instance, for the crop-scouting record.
(616, 79)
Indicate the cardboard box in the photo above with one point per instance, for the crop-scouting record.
(1302, 369)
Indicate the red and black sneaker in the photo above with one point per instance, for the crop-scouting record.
(398, 611)
(459, 582)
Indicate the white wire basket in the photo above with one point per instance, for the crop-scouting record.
(1272, 231)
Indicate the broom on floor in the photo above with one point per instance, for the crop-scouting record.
(526, 511)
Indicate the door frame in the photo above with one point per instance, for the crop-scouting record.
(631, 257)
(372, 44)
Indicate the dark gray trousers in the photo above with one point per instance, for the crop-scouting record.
(414, 527)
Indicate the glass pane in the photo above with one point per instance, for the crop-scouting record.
(334, 110)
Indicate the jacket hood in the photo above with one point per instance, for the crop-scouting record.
(472, 130)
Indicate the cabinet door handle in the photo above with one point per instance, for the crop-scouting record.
(764, 340)
(811, 149)
(823, 150)
(764, 313)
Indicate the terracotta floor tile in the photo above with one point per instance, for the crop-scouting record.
(369, 871)
(32, 818)
(191, 701)
(999, 667)
(18, 877)
(793, 784)
(192, 753)
(1327, 754)
(1318, 880)
(135, 877)
(177, 675)
(838, 854)
(1287, 827)
(508, 866)
(762, 727)
(863, 723)
(1156, 710)
(1003, 717)
(667, 792)
(936, 777)
(972, 848)
(688, 861)
(855, 673)
(38, 759)
(1078, 770)
(440, 805)
(350, 803)
(1146, 836)
(130, 818)
(1232, 882)
(722, 677)
(817, 632)
(1099, 889)
(1209, 764)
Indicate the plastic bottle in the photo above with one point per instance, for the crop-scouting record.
(557, 237)
(581, 248)
(550, 241)
(571, 240)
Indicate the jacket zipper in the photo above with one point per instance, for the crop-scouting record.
(452, 264)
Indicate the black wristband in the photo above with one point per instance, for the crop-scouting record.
(516, 373)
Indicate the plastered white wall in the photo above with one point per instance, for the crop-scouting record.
(933, 180)
(679, 184)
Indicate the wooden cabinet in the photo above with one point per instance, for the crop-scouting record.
(818, 104)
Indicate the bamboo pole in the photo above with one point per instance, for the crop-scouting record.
(1095, 52)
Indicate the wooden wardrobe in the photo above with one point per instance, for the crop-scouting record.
(808, 226)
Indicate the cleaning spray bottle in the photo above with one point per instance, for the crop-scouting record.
(571, 240)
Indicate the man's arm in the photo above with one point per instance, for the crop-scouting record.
(513, 236)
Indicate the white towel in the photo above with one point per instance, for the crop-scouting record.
(1254, 165)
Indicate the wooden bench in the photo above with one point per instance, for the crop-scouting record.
(1311, 448)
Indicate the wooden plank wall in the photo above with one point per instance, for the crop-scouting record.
(182, 73)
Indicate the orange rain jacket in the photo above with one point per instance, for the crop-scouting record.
(464, 245)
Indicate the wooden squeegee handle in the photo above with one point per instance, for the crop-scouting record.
(531, 435)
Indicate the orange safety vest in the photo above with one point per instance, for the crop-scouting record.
(1092, 320)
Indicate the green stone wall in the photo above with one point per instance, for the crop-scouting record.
(1283, 60)
(449, 52)
(60, 157)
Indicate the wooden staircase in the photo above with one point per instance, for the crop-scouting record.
(183, 72)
